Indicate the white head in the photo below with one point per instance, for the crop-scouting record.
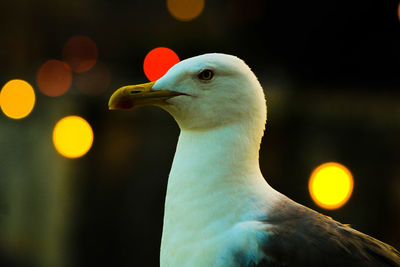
(219, 89)
(202, 92)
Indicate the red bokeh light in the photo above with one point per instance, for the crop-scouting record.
(158, 61)
(54, 78)
(80, 52)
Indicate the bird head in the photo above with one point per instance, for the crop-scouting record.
(202, 92)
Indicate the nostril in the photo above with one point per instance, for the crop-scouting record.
(134, 92)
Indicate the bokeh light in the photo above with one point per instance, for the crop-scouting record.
(95, 81)
(54, 78)
(80, 52)
(398, 11)
(185, 10)
(72, 136)
(158, 61)
(331, 185)
(17, 99)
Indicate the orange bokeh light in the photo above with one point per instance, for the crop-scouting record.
(158, 61)
(54, 78)
(17, 99)
(80, 52)
(398, 11)
(95, 81)
(185, 10)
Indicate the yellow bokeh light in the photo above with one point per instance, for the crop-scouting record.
(72, 136)
(185, 10)
(17, 99)
(331, 185)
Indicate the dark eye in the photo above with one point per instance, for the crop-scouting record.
(206, 75)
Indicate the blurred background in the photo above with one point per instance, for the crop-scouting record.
(330, 70)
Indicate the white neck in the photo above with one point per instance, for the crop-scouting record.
(227, 150)
(215, 182)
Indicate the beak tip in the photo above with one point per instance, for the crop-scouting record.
(114, 101)
(125, 98)
(111, 106)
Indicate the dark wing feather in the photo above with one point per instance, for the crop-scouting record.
(299, 236)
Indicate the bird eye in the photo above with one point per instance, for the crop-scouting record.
(206, 75)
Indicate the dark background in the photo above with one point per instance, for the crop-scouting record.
(330, 70)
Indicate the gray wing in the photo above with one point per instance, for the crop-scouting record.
(299, 236)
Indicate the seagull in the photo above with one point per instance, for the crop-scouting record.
(219, 209)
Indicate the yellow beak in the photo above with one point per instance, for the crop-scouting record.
(131, 96)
